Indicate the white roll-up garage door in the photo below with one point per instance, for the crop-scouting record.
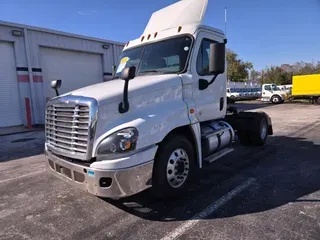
(10, 110)
(75, 69)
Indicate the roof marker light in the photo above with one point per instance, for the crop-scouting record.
(156, 34)
(149, 36)
(179, 28)
(142, 38)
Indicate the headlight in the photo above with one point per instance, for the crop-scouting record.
(122, 141)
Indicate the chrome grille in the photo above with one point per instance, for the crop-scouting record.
(69, 127)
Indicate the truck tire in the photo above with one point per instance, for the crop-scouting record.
(318, 101)
(257, 133)
(173, 167)
(276, 99)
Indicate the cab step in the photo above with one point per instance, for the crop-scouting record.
(218, 155)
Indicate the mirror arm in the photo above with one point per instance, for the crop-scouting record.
(213, 79)
(124, 105)
(57, 93)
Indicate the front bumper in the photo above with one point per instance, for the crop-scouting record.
(103, 183)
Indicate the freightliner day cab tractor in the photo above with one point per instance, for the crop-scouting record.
(162, 116)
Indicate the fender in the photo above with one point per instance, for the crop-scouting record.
(154, 115)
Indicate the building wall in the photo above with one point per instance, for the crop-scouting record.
(21, 62)
(28, 61)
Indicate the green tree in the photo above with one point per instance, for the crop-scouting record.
(238, 70)
(255, 75)
(301, 68)
(277, 75)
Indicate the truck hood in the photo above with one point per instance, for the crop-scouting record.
(112, 91)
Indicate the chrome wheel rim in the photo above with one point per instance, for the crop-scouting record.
(275, 100)
(177, 168)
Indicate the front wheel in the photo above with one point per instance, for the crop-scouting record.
(173, 167)
(276, 99)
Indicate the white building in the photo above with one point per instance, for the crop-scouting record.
(31, 57)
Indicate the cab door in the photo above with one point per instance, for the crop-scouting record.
(211, 102)
(267, 92)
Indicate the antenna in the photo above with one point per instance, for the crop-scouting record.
(225, 34)
(225, 21)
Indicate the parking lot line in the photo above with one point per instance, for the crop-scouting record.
(22, 176)
(208, 210)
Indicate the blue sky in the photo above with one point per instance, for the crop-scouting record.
(264, 32)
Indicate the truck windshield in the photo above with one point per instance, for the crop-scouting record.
(167, 56)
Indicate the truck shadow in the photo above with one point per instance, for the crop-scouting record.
(285, 170)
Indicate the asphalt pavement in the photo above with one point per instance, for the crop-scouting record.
(270, 192)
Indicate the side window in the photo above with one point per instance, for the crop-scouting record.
(203, 57)
(267, 88)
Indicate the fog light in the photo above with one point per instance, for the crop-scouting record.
(105, 182)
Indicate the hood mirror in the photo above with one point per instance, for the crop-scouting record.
(127, 74)
(56, 84)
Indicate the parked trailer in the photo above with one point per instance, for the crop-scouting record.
(164, 115)
(306, 87)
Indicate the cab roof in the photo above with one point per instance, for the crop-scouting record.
(182, 17)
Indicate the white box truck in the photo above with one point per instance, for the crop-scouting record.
(162, 116)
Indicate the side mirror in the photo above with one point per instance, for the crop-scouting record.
(216, 63)
(128, 73)
(55, 84)
(217, 58)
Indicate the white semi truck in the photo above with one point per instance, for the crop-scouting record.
(162, 116)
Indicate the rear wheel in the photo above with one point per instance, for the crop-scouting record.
(318, 101)
(257, 133)
(173, 167)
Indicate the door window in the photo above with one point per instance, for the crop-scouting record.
(203, 57)
(267, 88)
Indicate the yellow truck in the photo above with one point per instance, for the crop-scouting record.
(306, 87)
